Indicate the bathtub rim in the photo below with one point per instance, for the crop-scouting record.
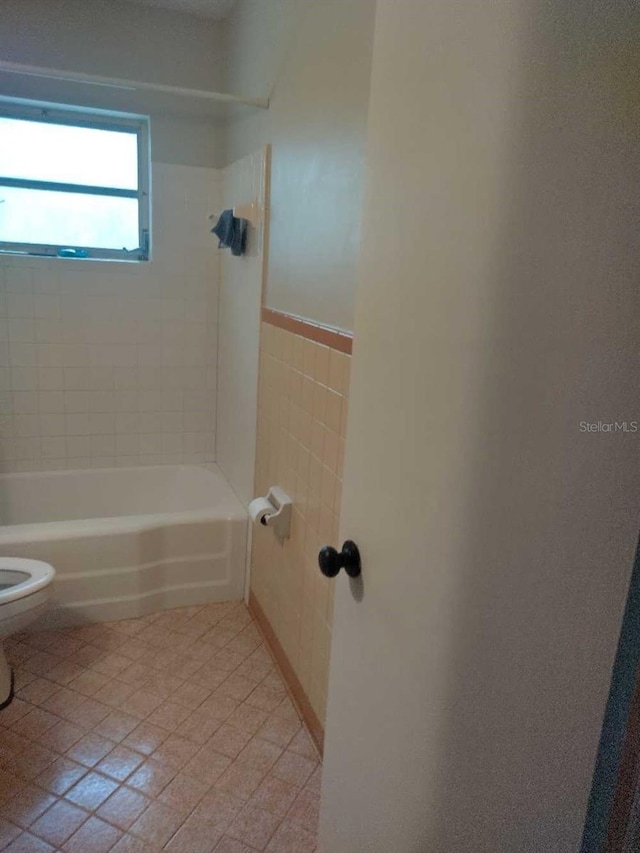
(229, 508)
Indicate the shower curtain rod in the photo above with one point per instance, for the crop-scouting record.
(128, 85)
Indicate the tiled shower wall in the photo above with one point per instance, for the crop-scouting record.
(104, 363)
(302, 415)
(239, 305)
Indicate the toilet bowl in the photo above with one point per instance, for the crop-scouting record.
(24, 592)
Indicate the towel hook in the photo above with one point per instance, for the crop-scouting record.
(252, 212)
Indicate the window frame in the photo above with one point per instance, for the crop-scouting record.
(41, 113)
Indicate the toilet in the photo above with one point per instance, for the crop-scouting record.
(24, 592)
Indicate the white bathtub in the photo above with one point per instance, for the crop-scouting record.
(127, 541)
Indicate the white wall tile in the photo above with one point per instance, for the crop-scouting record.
(53, 447)
(22, 355)
(24, 378)
(102, 423)
(150, 443)
(20, 304)
(46, 306)
(239, 305)
(97, 359)
(51, 401)
(26, 425)
(78, 424)
(50, 378)
(25, 402)
(21, 329)
(51, 424)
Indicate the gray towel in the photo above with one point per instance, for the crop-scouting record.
(231, 232)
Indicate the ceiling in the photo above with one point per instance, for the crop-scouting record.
(214, 9)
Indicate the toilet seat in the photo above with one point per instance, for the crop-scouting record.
(23, 599)
(22, 577)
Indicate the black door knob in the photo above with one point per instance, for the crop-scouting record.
(330, 561)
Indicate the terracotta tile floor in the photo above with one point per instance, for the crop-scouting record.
(172, 732)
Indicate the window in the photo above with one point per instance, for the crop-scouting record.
(73, 184)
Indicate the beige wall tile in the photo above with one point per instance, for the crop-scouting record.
(309, 358)
(333, 410)
(302, 415)
(321, 367)
(339, 364)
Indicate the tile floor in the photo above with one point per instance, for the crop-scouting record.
(173, 732)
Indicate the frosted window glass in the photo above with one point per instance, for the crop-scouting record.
(43, 217)
(39, 151)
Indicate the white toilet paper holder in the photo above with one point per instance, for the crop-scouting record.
(280, 518)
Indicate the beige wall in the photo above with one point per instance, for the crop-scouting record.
(122, 40)
(312, 57)
(302, 416)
